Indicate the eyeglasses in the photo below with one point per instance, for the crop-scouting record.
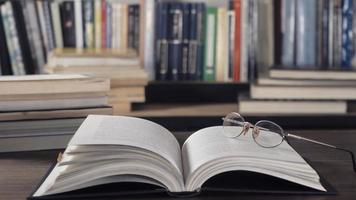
(267, 134)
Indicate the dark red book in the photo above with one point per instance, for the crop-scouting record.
(237, 49)
(103, 23)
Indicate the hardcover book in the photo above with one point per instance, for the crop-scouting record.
(126, 155)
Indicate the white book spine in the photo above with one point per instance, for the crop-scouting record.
(147, 39)
(97, 22)
(244, 41)
(57, 27)
(78, 24)
(13, 36)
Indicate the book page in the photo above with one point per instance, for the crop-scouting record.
(209, 152)
(43, 77)
(129, 131)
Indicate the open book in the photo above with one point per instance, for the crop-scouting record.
(114, 149)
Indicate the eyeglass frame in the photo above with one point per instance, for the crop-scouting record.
(285, 136)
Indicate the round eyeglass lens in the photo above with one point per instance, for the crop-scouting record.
(233, 125)
(268, 134)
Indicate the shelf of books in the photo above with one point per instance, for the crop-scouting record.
(273, 57)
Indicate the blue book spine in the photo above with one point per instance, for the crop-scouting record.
(346, 50)
(186, 8)
(175, 41)
(288, 31)
(197, 71)
(108, 24)
(193, 41)
(161, 52)
(305, 35)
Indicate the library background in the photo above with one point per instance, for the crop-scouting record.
(182, 64)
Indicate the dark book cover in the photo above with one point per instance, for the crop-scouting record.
(319, 32)
(325, 34)
(186, 9)
(346, 51)
(161, 52)
(4, 53)
(193, 41)
(68, 23)
(23, 38)
(201, 9)
(131, 27)
(136, 41)
(278, 31)
(252, 43)
(175, 38)
(337, 33)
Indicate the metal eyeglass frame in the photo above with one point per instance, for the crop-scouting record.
(247, 125)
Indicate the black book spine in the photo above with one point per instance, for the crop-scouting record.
(186, 7)
(68, 23)
(278, 31)
(4, 53)
(162, 41)
(319, 32)
(23, 37)
(201, 9)
(131, 26)
(193, 42)
(48, 24)
(337, 33)
(136, 44)
(325, 34)
(175, 41)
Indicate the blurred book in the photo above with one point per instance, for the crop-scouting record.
(40, 112)
(313, 74)
(267, 106)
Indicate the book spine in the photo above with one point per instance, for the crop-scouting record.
(277, 4)
(325, 34)
(162, 41)
(186, 8)
(88, 10)
(42, 27)
(12, 39)
(108, 24)
(331, 34)
(288, 32)
(4, 50)
(237, 41)
(35, 31)
(147, 40)
(319, 32)
(346, 53)
(210, 42)
(103, 23)
(193, 41)
(124, 27)
(97, 23)
(353, 62)
(201, 10)
(79, 35)
(253, 28)
(56, 21)
(117, 25)
(23, 37)
(305, 34)
(245, 38)
(131, 27)
(231, 40)
(48, 25)
(221, 45)
(337, 33)
(68, 24)
(136, 39)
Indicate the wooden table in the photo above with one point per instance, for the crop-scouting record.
(21, 172)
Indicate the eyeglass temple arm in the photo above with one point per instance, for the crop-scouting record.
(327, 145)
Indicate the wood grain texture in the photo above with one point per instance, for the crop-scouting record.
(21, 172)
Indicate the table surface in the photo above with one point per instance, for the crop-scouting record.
(21, 172)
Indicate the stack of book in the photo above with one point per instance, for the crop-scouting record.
(43, 111)
(288, 91)
(128, 79)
